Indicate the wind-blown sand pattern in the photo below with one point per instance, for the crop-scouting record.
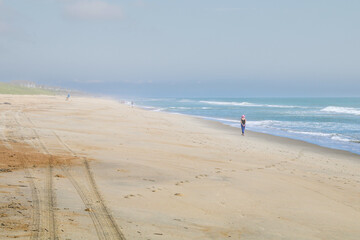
(97, 169)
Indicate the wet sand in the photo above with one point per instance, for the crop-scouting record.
(97, 169)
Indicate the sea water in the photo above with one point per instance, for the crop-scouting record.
(328, 122)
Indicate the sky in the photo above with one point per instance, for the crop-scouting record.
(202, 48)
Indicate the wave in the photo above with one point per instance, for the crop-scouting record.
(345, 110)
(264, 123)
(313, 133)
(181, 108)
(342, 139)
(282, 126)
(185, 101)
(332, 136)
(231, 103)
(221, 119)
(148, 107)
(248, 104)
(158, 109)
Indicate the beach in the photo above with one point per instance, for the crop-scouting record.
(92, 168)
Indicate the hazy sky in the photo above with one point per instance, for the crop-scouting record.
(184, 48)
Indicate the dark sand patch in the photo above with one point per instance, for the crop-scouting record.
(22, 156)
(16, 206)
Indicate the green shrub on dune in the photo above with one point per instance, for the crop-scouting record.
(6, 88)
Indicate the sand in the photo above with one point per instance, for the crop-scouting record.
(96, 169)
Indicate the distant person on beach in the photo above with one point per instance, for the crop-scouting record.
(243, 122)
(68, 96)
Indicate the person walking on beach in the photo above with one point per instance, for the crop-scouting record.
(68, 97)
(243, 122)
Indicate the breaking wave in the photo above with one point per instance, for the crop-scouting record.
(345, 110)
(248, 104)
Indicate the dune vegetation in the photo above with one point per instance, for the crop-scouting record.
(6, 88)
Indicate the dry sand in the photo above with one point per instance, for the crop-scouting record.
(96, 169)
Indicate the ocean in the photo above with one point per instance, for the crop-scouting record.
(328, 122)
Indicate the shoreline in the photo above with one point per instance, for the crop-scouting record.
(284, 140)
(263, 134)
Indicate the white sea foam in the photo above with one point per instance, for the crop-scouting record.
(151, 99)
(181, 108)
(342, 139)
(159, 109)
(222, 119)
(282, 106)
(332, 136)
(264, 123)
(185, 100)
(248, 104)
(232, 103)
(312, 133)
(345, 110)
(148, 107)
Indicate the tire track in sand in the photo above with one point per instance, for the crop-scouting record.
(103, 221)
(5, 140)
(35, 214)
(35, 195)
(110, 229)
(48, 201)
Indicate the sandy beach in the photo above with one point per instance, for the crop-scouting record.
(93, 168)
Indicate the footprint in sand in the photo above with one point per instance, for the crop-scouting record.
(181, 182)
(132, 195)
(154, 189)
(59, 176)
(149, 180)
(201, 176)
(219, 170)
(129, 196)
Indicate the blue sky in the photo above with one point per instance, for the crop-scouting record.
(184, 48)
